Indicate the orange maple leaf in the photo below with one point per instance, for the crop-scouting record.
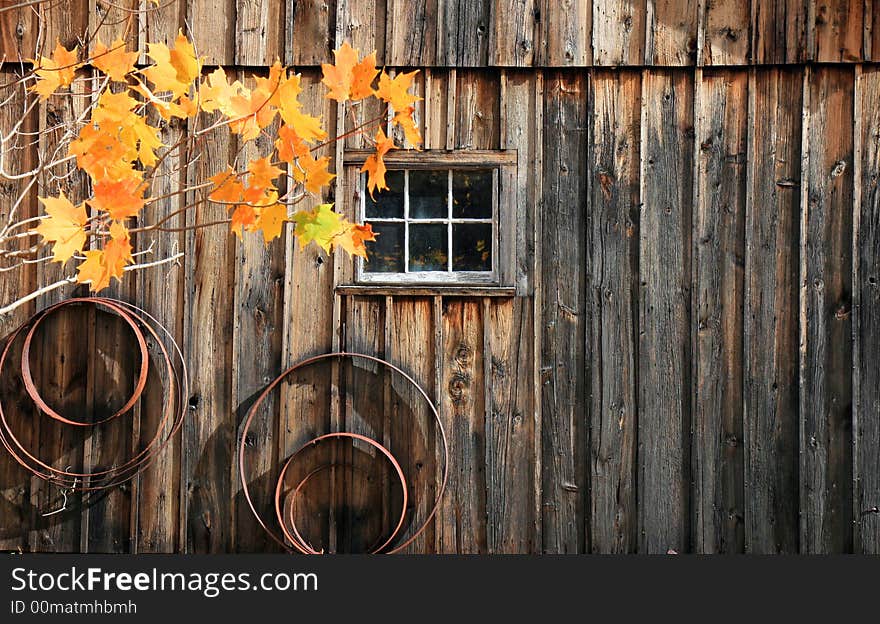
(405, 120)
(113, 61)
(270, 220)
(65, 227)
(102, 264)
(312, 173)
(289, 144)
(362, 77)
(394, 90)
(244, 216)
(55, 72)
(227, 187)
(263, 173)
(338, 77)
(118, 198)
(375, 165)
(352, 240)
(100, 154)
(175, 69)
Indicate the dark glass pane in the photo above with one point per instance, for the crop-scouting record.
(385, 255)
(472, 194)
(428, 244)
(387, 204)
(472, 247)
(428, 194)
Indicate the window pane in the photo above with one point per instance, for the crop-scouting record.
(472, 247)
(428, 194)
(472, 194)
(428, 247)
(385, 255)
(387, 204)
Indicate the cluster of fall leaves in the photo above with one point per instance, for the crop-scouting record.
(120, 151)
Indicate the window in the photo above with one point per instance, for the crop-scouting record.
(433, 225)
(448, 221)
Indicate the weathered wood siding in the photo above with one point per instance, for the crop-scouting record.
(691, 358)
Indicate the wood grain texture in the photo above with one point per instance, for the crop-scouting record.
(507, 331)
(838, 31)
(309, 26)
(866, 314)
(212, 24)
(512, 34)
(779, 31)
(719, 247)
(18, 33)
(671, 32)
(724, 37)
(463, 33)
(460, 525)
(258, 32)
(826, 314)
(613, 302)
(618, 32)
(209, 433)
(67, 21)
(771, 312)
(564, 359)
(477, 111)
(362, 24)
(565, 29)
(665, 311)
(110, 20)
(411, 32)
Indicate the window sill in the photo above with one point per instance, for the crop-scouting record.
(415, 290)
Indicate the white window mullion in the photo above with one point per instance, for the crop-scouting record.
(449, 222)
(406, 221)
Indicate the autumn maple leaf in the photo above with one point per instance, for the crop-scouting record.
(102, 264)
(263, 173)
(65, 227)
(55, 72)
(175, 69)
(375, 165)
(289, 144)
(321, 225)
(352, 240)
(118, 198)
(113, 61)
(395, 90)
(270, 220)
(405, 120)
(312, 173)
(244, 216)
(227, 187)
(338, 77)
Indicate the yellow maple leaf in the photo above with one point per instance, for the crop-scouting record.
(395, 90)
(321, 225)
(175, 69)
(167, 109)
(375, 165)
(312, 173)
(289, 144)
(65, 227)
(352, 239)
(362, 76)
(244, 216)
(55, 72)
(113, 61)
(270, 220)
(227, 187)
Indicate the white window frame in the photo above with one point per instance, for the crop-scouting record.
(503, 165)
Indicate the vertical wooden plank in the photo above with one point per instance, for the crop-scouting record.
(512, 33)
(725, 32)
(770, 317)
(477, 112)
(411, 32)
(412, 428)
(212, 25)
(436, 104)
(719, 229)
(565, 27)
(362, 24)
(258, 32)
(209, 433)
(19, 157)
(671, 32)
(109, 20)
(308, 32)
(362, 505)
(66, 21)
(160, 24)
(565, 264)
(463, 33)
(537, 169)
(866, 289)
(160, 292)
(256, 353)
(839, 31)
(460, 524)
(826, 316)
(779, 31)
(18, 33)
(613, 301)
(665, 310)
(509, 427)
(307, 326)
(871, 37)
(618, 32)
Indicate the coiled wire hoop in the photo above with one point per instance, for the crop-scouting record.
(290, 538)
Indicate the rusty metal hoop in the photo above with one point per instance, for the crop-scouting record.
(175, 404)
(255, 407)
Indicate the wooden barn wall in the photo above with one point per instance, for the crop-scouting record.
(691, 360)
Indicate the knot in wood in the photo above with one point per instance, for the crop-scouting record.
(458, 385)
(463, 354)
